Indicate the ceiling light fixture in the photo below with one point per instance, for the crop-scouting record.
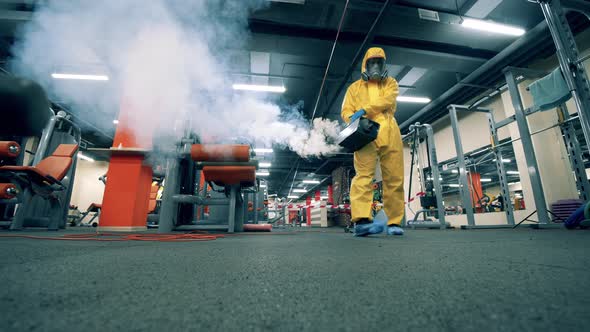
(265, 165)
(417, 100)
(513, 172)
(299, 190)
(505, 161)
(454, 185)
(80, 77)
(298, 2)
(485, 180)
(259, 88)
(85, 157)
(492, 27)
(263, 173)
(293, 196)
(311, 181)
(262, 150)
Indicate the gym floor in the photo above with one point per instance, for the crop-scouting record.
(453, 280)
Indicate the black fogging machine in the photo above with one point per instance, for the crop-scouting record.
(358, 133)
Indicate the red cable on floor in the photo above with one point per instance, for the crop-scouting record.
(114, 237)
(111, 237)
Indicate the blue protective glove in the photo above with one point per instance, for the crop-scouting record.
(357, 115)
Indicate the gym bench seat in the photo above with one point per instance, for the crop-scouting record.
(42, 180)
(228, 166)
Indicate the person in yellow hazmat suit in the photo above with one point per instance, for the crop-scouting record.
(374, 96)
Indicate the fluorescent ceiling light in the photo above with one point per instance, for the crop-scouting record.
(311, 181)
(80, 77)
(292, 196)
(261, 150)
(262, 186)
(265, 165)
(455, 171)
(299, 2)
(299, 190)
(454, 185)
(429, 178)
(514, 183)
(418, 100)
(512, 172)
(492, 27)
(115, 121)
(504, 160)
(485, 180)
(263, 173)
(85, 157)
(261, 88)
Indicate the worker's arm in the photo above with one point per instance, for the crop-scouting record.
(348, 106)
(386, 101)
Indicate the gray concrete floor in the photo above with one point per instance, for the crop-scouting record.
(428, 280)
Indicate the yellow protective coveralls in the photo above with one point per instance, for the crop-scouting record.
(378, 99)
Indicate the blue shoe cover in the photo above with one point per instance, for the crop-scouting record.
(367, 229)
(395, 230)
(380, 219)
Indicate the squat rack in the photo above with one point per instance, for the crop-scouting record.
(576, 79)
(568, 131)
(462, 165)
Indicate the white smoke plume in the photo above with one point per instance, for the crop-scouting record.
(168, 63)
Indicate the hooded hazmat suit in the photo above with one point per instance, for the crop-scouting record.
(378, 99)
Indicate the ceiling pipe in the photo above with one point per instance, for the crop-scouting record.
(532, 35)
(359, 55)
(522, 56)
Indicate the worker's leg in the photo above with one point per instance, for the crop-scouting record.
(361, 191)
(392, 168)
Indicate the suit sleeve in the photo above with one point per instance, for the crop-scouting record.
(386, 101)
(348, 108)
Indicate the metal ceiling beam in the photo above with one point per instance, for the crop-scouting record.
(466, 6)
(403, 73)
(314, 33)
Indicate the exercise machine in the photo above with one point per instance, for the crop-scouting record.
(41, 185)
(430, 199)
(228, 169)
(464, 183)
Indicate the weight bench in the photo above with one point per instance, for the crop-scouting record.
(93, 208)
(42, 180)
(225, 166)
